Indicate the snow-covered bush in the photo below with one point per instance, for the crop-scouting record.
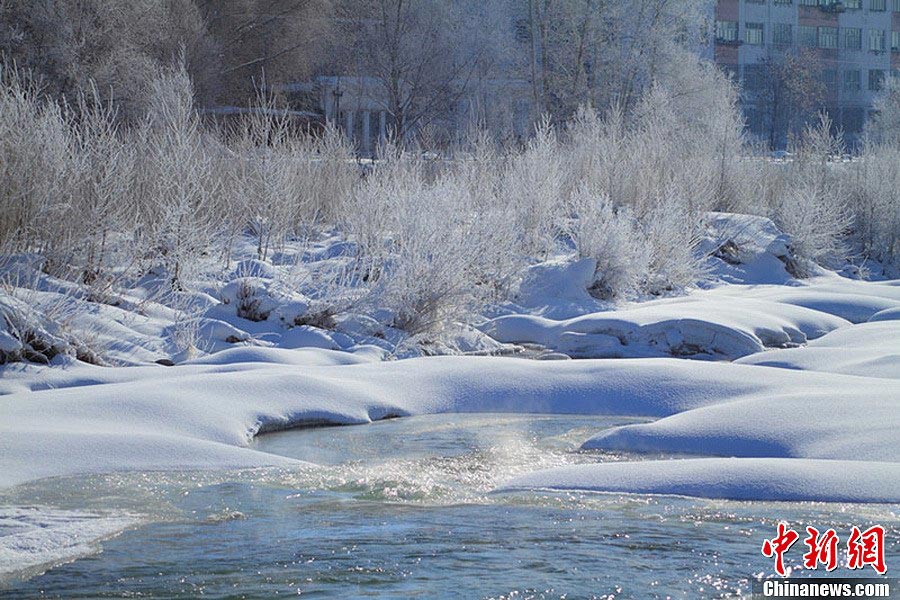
(35, 148)
(180, 180)
(814, 209)
(426, 248)
(422, 241)
(532, 191)
(284, 182)
(874, 182)
(614, 239)
(640, 182)
(883, 128)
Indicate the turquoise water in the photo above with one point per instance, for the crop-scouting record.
(405, 508)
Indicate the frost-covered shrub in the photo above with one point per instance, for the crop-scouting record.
(883, 129)
(874, 184)
(35, 148)
(816, 224)
(423, 269)
(282, 182)
(671, 232)
(532, 191)
(641, 181)
(614, 239)
(179, 182)
(813, 209)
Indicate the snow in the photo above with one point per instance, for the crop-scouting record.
(726, 322)
(95, 420)
(869, 349)
(558, 288)
(203, 415)
(888, 314)
(728, 478)
(832, 417)
(794, 397)
(32, 537)
(701, 325)
(745, 249)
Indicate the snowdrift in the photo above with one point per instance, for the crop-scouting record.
(730, 478)
(204, 415)
(724, 323)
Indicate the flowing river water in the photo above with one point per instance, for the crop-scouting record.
(396, 509)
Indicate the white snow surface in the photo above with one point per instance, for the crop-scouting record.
(33, 537)
(723, 323)
(203, 415)
(867, 350)
(808, 410)
(814, 383)
(730, 478)
(192, 416)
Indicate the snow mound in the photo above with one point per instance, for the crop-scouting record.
(888, 314)
(26, 335)
(259, 299)
(867, 350)
(699, 326)
(306, 357)
(745, 249)
(835, 418)
(854, 301)
(88, 419)
(196, 416)
(854, 307)
(558, 288)
(772, 479)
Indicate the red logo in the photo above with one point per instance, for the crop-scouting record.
(864, 548)
(779, 545)
(824, 550)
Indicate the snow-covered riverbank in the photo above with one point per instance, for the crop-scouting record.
(814, 376)
(91, 419)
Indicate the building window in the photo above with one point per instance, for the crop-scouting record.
(756, 1)
(783, 34)
(726, 31)
(852, 3)
(896, 5)
(828, 37)
(809, 2)
(806, 35)
(852, 38)
(522, 31)
(851, 81)
(754, 78)
(754, 34)
(830, 78)
(876, 80)
(783, 2)
(876, 40)
(878, 5)
(895, 41)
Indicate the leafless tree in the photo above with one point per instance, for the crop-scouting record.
(787, 92)
(266, 41)
(413, 49)
(117, 45)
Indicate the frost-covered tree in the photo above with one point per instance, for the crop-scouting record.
(785, 91)
(265, 41)
(115, 45)
(601, 52)
(884, 126)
